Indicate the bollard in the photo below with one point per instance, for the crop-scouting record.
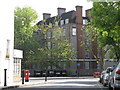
(46, 76)
(22, 76)
(5, 80)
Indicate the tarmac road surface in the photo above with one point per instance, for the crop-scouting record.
(89, 83)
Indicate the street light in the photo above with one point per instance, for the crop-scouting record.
(23, 69)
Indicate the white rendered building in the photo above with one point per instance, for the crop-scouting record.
(6, 40)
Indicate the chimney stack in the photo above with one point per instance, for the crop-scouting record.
(46, 15)
(88, 13)
(61, 11)
(79, 20)
(79, 14)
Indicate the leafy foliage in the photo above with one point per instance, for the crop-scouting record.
(107, 21)
(43, 45)
(55, 46)
(24, 18)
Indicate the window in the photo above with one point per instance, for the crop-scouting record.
(64, 32)
(66, 21)
(86, 65)
(73, 31)
(17, 67)
(84, 21)
(61, 22)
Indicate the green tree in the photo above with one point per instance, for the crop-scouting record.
(24, 20)
(106, 21)
(55, 46)
(43, 45)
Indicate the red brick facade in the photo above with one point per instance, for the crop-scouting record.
(79, 32)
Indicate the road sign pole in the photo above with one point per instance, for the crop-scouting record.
(78, 71)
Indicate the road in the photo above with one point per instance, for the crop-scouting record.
(76, 83)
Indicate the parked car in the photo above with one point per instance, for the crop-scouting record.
(114, 80)
(64, 73)
(101, 76)
(106, 75)
(57, 73)
(44, 73)
(37, 73)
(51, 73)
(96, 74)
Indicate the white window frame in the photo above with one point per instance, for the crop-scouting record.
(66, 21)
(84, 21)
(74, 32)
(17, 67)
(62, 22)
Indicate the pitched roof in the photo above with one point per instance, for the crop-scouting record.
(68, 15)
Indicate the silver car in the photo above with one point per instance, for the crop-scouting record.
(101, 76)
(114, 80)
(106, 76)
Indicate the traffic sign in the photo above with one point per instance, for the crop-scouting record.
(78, 64)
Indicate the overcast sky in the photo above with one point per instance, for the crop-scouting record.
(50, 6)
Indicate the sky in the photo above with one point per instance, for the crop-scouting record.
(50, 6)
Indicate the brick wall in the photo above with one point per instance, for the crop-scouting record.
(79, 31)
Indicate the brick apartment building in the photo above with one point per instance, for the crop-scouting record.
(72, 22)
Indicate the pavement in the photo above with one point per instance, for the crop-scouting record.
(37, 81)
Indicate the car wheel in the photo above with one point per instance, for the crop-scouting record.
(109, 86)
(115, 88)
(104, 84)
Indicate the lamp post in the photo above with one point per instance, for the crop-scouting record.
(23, 71)
(23, 76)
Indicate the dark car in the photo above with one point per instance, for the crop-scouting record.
(58, 73)
(44, 73)
(51, 73)
(64, 73)
(37, 73)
